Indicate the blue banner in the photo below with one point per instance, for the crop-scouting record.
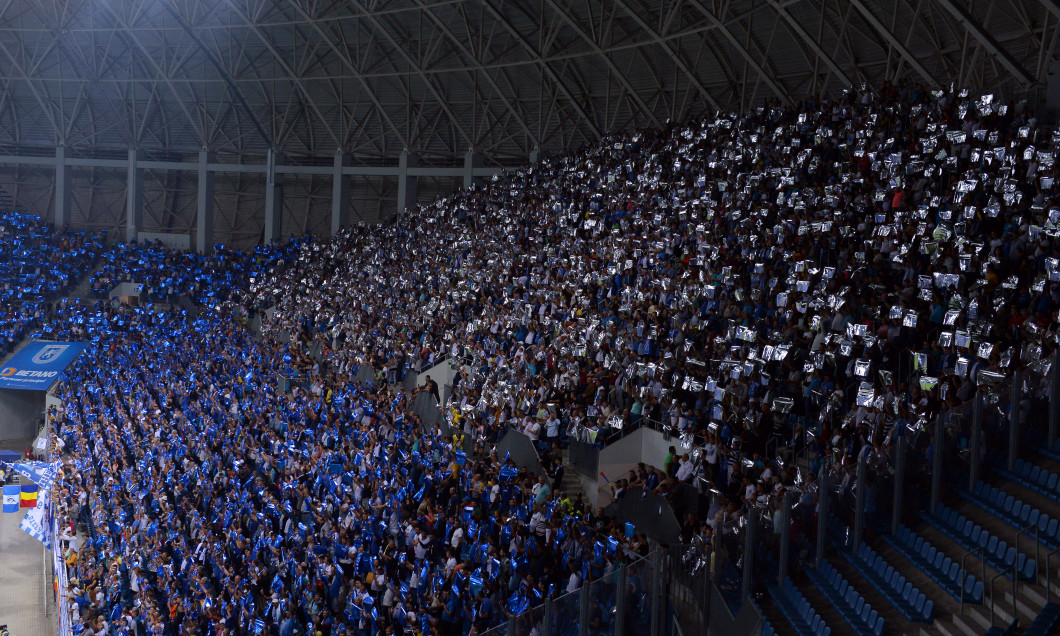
(38, 364)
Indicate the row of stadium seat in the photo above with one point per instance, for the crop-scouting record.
(942, 570)
(903, 595)
(1053, 452)
(1015, 512)
(797, 610)
(1036, 478)
(997, 554)
(848, 602)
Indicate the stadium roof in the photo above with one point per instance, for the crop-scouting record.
(477, 84)
(439, 77)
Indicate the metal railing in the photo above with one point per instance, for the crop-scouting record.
(621, 603)
(964, 570)
(993, 594)
(1037, 547)
(1049, 575)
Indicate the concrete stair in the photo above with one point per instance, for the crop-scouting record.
(83, 289)
(571, 485)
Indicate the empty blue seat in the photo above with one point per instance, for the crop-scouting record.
(1010, 557)
(902, 594)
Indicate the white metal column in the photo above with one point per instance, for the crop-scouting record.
(407, 185)
(62, 188)
(340, 195)
(134, 203)
(471, 161)
(273, 201)
(204, 205)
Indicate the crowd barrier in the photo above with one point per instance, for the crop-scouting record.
(625, 601)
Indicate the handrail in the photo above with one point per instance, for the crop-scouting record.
(1037, 547)
(1049, 576)
(993, 598)
(964, 570)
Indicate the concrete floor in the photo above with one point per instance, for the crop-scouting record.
(24, 568)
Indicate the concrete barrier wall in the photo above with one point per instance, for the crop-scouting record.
(617, 459)
(522, 452)
(125, 289)
(172, 241)
(650, 513)
(442, 373)
(430, 415)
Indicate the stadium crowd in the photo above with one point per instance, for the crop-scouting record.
(37, 266)
(813, 280)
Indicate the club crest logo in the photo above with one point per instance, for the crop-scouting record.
(49, 353)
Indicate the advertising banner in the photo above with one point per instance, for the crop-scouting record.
(38, 365)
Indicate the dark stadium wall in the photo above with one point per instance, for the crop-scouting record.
(20, 414)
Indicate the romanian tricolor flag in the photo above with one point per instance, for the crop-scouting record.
(28, 496)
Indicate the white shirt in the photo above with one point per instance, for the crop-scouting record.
(573, 582)
(420, 545)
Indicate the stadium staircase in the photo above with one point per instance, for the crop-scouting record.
(911, 582)
(571, 484)
(83, 289)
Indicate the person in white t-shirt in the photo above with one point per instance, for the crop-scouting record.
(552, 428)
(575, 581)
(420, 544)
(533, 430)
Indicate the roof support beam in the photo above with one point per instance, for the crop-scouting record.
(742, 50)
(986, 40)
(344, 57)
(1053, 7)
(31, 83)
(460, 46)
(297, 81)
(622, 79)
(400, 48)
(270, 169)
(895, 43)
(212, 59)
(673, 53)
(811, 42)
(535, 57)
